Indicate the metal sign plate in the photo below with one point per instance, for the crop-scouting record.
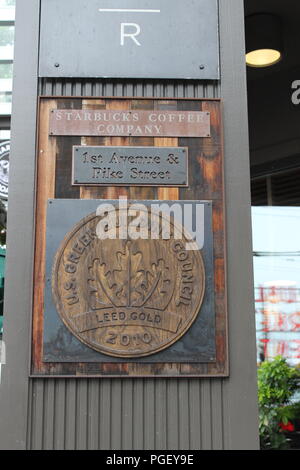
(127, 300)
(140, 166)
(130, 39)
(129, 123)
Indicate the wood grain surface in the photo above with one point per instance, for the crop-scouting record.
(54, 167)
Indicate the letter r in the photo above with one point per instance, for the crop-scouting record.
(132, 34)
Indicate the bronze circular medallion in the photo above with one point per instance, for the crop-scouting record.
(127, 298)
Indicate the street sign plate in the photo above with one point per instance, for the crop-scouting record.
(127, 166)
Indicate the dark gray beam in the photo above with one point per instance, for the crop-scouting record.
(18, 286)
(240, 391)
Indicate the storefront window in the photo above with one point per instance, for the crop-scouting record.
(4, 134)
(277, 282)
(7, 42)
(7, 10)
(7, 30)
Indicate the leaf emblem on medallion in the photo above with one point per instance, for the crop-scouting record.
(129, 278)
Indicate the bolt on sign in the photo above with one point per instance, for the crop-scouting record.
(130, 39)
(129, 252)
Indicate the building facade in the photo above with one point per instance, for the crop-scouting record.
(95, 412)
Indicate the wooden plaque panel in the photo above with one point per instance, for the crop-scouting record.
(54, 170)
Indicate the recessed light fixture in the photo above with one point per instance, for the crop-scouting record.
(264, 44)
